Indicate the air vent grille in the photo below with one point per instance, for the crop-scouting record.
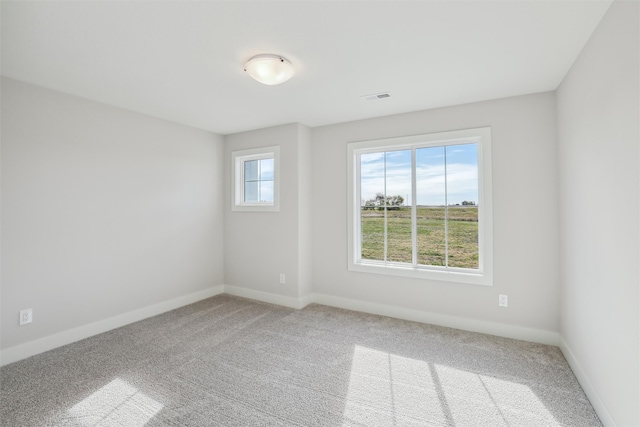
(376, 96)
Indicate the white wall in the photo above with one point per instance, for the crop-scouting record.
(525, 215)
(261, 245)
(104, 211)
(305, 212)
(598, 132)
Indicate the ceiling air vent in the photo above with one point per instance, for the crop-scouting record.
(375, 96)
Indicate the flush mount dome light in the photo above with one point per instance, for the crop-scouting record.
(269, 69)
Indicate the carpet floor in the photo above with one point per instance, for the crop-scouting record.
(228, 361)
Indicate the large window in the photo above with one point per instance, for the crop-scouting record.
(256, 179)
(421, 206)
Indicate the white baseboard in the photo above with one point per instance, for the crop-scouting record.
(589, 390)
(485, 327)
(306, 300)
(282, 300)
(32, 348)
(482, 326)
(22, 351)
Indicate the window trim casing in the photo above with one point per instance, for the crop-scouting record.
(237, 182)
(484, 275)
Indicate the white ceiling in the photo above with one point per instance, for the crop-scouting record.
(183, 61)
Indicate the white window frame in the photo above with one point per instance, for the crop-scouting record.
(481, 276)
(238, 158)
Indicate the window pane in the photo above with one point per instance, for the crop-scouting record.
(371, 206)
(446, 206)
(266, 169)
(266, 191)
(462, 197)
(251, 170)
(251, 191)
(463, 236)
(431, 203)
(398, 183)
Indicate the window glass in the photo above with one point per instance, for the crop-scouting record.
(372, 212)
(266, 170)
(431, 202)
(258, 181)
(251, 170)
(398, 206)
(446, 209)
(462, 205)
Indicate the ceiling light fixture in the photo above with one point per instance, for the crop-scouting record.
(269, 69)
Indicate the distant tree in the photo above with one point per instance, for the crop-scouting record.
(466, 203)
(394, 202)
(380, 201)
(369, 204)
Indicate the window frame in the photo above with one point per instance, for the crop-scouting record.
(238, 159)
(484, 274)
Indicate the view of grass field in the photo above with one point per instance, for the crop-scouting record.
(462, 235)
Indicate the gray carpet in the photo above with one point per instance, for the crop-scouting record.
(228, 361)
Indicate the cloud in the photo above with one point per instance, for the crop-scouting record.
(391, 171)
(461, 183)
(370, 158)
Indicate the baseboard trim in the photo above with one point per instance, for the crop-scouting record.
(22, 351)
(306, 300)
(282, 300)
(485, 327)
(32, 348)
(473, 325)
(589, 390)
(41, 345)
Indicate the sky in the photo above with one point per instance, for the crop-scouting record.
(461, 175)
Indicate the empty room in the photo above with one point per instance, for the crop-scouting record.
(320, 213)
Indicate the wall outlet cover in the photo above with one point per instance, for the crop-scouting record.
(503, 301)
(26, 316)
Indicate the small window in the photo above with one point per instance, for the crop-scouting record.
(421, 206)
(256, 179)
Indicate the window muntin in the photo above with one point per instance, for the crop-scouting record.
(255, 182)
(421, 206)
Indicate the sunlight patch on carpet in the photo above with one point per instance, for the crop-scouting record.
(117, 403)
(388, 389)
(495, 401)
(385, 388)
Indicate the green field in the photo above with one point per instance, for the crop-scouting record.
(462, 233)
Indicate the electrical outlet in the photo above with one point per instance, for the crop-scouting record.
(282, 278)
(26, 316)
(503, 301)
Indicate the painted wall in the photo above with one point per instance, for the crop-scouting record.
(104, 211)
(525, 210)
(261, 245)
(598, 133)
(305, 212)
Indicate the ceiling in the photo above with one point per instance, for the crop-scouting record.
(183, 61)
